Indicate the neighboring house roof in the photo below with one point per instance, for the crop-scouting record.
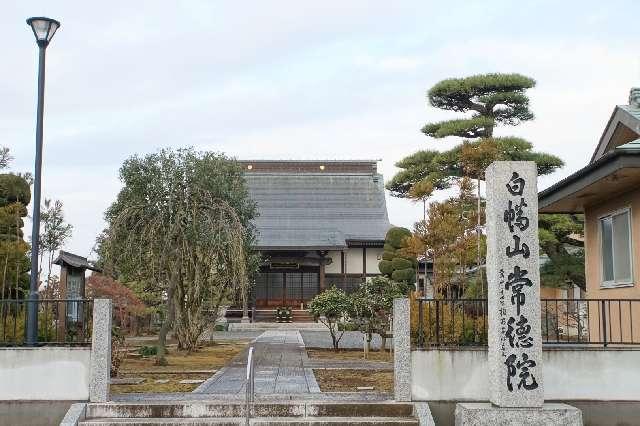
(623, 127)
(614, 167)
(66, 258)
(304, 207)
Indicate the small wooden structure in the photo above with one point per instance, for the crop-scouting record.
(72, 287)
(72, 269)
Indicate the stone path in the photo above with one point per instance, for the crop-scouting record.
(280, 359)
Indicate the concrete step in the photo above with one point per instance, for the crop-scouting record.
(238, 421)
(269, 315)
(204, 409)
(277, 326)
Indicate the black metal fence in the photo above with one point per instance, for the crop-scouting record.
(463, 322)
(65, 322)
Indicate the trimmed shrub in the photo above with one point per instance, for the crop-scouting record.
(396, 236)
(388, 255)
(400, 263)
(394, 259)
(386, 267)
(407, 275)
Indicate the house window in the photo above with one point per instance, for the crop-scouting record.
(615, 232)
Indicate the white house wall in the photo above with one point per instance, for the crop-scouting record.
(353, 261)
(334, 266)
(374, 255)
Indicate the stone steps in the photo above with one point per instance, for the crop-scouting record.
(238, 421)
(269, 315)
(233, 413)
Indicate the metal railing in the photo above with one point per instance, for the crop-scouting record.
(463, 322)
(250, 387)
(61, 322)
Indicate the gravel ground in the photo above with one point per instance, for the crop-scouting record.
(350, 340)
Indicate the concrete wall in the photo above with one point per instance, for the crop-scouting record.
(45, 373)
(580, 374)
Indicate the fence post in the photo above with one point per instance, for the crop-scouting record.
(402, 349)
(420, 337)
(604, 323)
(437, 322)
(100, 351)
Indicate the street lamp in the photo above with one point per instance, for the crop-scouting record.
(43, 29)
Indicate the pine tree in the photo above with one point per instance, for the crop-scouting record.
(492, 99)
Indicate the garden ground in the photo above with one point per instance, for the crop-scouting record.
(287, 361)
(199, 365)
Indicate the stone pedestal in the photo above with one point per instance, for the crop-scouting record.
(481, 414)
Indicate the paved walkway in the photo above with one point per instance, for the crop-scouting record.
(280, 359)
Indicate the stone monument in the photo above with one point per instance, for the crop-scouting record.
(516, 382)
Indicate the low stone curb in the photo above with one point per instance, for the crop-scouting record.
(75, 414)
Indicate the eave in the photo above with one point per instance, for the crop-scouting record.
(610, 175)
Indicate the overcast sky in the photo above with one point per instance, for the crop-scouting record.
(294, 80)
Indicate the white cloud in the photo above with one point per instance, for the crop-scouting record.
(291, 80)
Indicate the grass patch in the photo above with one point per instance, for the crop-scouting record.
(180, 367)
(348, 380)
(349, 354)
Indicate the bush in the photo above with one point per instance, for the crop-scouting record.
(332, 307)
(406, 275)
(396, 236)
(117, 354)
(386, 267)
(388, 255)
(456, 327)
(14, 188)
(400, 263)
(148, 351)
(394, 258)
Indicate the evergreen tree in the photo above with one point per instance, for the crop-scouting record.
(492, 99)
(15, 195)
(562, 241)
(396, 263)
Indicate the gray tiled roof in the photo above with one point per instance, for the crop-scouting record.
(633, 110)
(318, 210)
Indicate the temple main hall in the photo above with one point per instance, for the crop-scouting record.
(320, 223)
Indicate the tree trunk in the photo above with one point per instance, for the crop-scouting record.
(166, 326)
(478, 232)
(4, 273)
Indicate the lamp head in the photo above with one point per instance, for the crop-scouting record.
(43, 29)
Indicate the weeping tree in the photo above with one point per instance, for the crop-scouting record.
(181, 222)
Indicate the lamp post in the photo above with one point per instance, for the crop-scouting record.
(43, 29)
